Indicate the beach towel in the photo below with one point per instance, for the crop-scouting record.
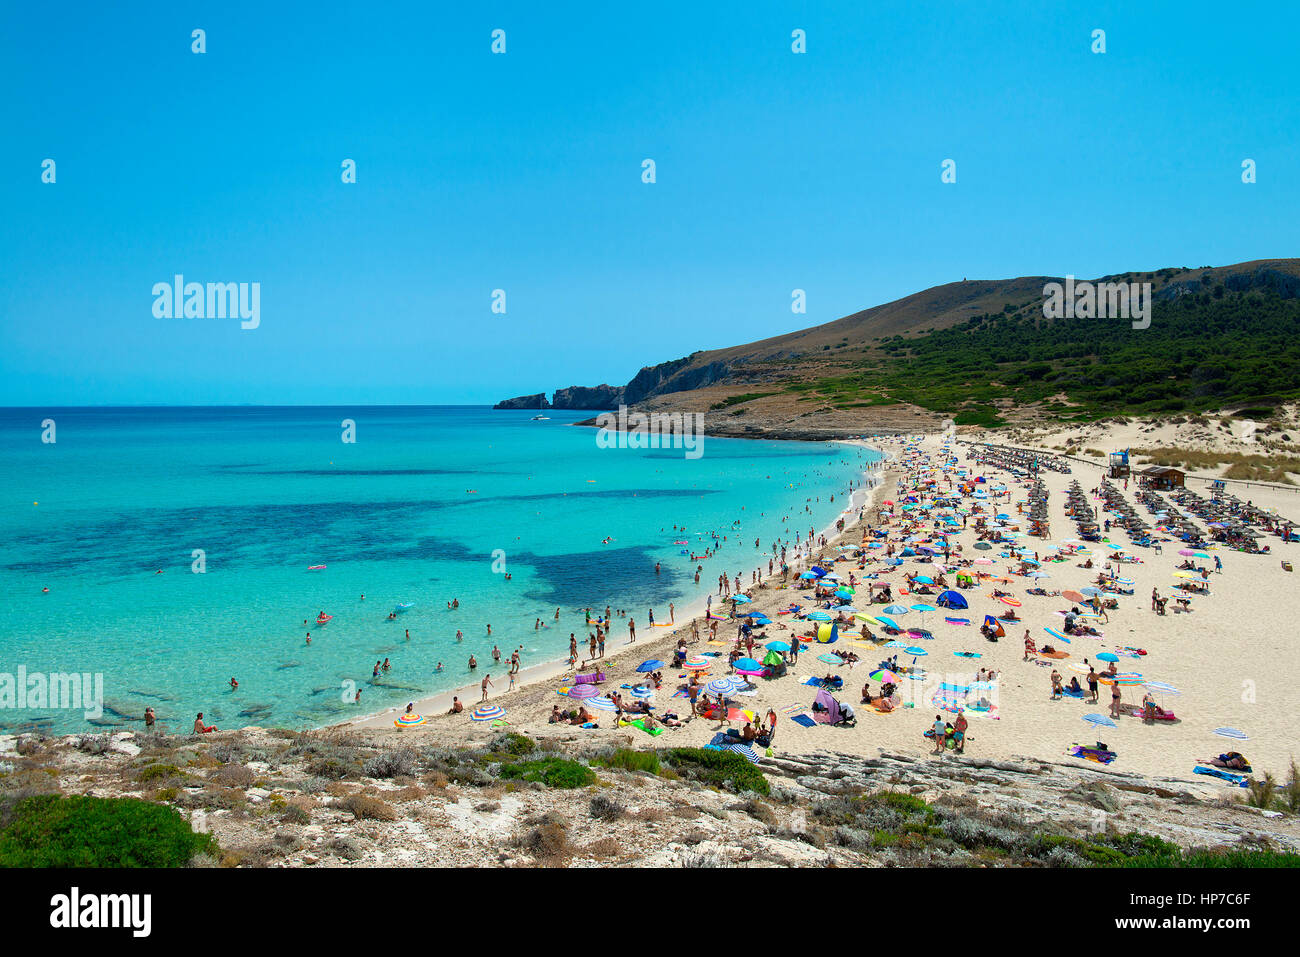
(793, 709)
(804, 720)
(967, 654)
(1072, 694)
(815, 682)
(1237, 779)
(1091, 754)
(640, 723)
(1054, 654)
(957, 621)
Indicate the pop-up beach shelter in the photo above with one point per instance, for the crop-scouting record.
(951, 599)
(831, 714)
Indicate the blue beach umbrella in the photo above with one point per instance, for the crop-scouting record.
(818, 616)
(1100, 720)
(1108, 656)
(895, 610)
(1234, 733)
(777, 646)
(645, 667)
(747, 664)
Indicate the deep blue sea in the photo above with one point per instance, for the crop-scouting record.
(425, 506)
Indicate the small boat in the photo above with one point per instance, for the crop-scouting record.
(540, 418)
(324, 619)
(315, 568)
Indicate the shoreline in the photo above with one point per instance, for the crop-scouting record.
(435, 706)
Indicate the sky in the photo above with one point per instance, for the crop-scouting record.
(523, 171)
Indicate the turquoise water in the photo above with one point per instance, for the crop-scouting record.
(413, 511)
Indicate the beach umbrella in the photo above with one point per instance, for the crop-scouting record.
(924, 579)
(895, 644)
(1038, 575)
(1233, 733)
(747, 664)
(895, 610)
(643, 692)
(645, 667)
(1123, 679)
(697, 663)
(866, 619)
(760, 619)
(410, 720)
(777, 646)
(724, 686)
(582, 691)
(601, 703)
(818, 616)
(923, 608)
(916, 652)
(1090, 592)
(885, 676)
(1162, 687)
(845, 610)
(743, 749)
(488, 712)
(888, 622)
(1072, 595)
(741, 599)
(831, 659)
(1099, 720)
(807, 575)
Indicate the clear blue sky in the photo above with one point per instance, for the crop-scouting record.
(775, 171)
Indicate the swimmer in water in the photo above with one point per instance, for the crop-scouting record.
(233, 684)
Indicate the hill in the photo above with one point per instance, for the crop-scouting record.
(983, 353)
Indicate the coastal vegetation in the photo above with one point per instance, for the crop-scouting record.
(1208, 350)
(548, 802)
(57, 831)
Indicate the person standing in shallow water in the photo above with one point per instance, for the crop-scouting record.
(631, 630)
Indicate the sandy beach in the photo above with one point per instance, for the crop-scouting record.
(1228, 657)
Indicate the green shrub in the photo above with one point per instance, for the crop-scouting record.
(627, 759)
(553, 772)
(719, 768)
(50, 831)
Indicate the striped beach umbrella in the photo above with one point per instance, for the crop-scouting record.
(583, 691)
(723, 686)
(410, 720)
(600, 703)
(1099, 720)
(1233, 733)
(1162, 687)
(697, 663)
(488, 712)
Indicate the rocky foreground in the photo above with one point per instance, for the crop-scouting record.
(288, 799)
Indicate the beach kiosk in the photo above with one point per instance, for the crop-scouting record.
(1162, 477)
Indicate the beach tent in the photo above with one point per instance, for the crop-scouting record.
(995, 625)
(831, 714)
(772, 659)
(828, 634)
(951, 599)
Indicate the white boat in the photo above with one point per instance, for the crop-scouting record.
(540, 418)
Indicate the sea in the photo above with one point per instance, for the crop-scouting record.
(164, 551)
